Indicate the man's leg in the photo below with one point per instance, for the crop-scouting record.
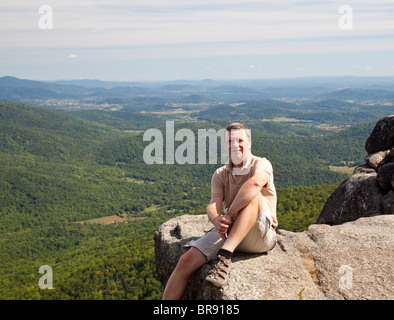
(244, 222)
(187, 265)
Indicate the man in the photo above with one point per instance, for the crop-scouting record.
(245, 186)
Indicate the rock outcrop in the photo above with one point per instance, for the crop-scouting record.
(349, 261)
(370, 190)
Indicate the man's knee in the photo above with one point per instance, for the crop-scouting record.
(256, 204)
(185, 261)
(191, 261)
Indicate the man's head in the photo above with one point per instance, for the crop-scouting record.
(238, 142)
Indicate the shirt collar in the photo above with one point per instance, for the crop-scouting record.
(242, 170)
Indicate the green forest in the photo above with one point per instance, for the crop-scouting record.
(59, 170)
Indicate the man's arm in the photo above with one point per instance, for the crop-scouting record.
(214, 208)
(220, 222)
(248, 192)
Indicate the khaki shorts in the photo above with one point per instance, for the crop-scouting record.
(261, 238)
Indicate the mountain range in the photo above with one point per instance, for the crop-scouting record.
(316, 88)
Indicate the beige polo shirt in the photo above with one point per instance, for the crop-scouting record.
(226, 182)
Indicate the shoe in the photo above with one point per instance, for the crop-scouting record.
(219, 272)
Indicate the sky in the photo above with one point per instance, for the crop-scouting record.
(150, 40)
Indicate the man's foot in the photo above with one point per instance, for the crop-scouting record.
(220, 269)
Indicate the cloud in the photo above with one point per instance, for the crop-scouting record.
(251, 68)
(73, 56)
(134, 29)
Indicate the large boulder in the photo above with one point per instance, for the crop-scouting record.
(382, 136)
(349, 261)
(358, 196)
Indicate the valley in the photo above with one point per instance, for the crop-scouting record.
(77, 195)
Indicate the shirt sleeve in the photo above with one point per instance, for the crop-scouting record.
(264, 167)
(217, 186)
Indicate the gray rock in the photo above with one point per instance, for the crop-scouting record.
(358, 196)
(379, 158)
(390, 156)
(354, 260)
(388, 203)
(364, 168)
(382, 136)
(171, 236)
(385, 176)
(350, 261)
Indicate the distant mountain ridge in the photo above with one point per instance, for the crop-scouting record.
(12, 82)
(323, 88)
(308, 101)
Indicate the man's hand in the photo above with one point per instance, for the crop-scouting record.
(222, 225)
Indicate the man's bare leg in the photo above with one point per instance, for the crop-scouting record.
(187, 265)
(244, 222)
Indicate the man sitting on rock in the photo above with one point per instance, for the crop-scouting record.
(246, 187)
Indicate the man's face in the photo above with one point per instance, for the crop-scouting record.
(238, 146)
